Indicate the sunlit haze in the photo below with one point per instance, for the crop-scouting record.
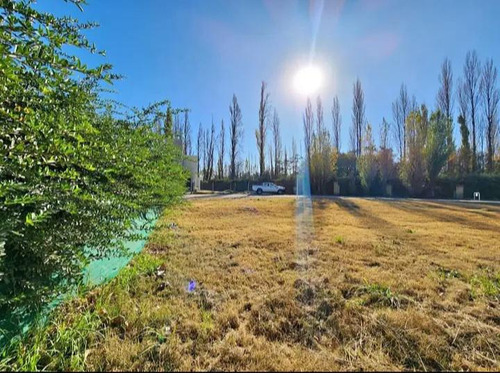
(308, 80)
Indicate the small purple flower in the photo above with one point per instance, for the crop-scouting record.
(191, 286)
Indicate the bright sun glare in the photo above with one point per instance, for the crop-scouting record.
(308, 80)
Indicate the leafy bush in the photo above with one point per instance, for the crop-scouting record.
(72, 175)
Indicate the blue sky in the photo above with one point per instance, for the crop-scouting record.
(198, 53)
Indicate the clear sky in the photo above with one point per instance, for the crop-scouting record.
(198, 53)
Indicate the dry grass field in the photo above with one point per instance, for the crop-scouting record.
(350, 284)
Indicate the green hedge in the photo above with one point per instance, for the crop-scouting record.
(487, 185)
(72, 175)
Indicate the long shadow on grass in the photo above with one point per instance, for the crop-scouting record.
(435, 213)
(487, 211)
(351, 206)
(368, 219)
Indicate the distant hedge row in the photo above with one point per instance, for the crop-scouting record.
(445, 187)
(487, 185)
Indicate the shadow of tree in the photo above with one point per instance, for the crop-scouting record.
(443, 213)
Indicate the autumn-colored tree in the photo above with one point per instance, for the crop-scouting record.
(385, 155)
(413, 167)
(465, 150)
(322, 165)
(367, 162)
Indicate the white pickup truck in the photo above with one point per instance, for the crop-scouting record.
(268, 188)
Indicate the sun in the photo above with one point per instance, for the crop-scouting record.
(308, 80)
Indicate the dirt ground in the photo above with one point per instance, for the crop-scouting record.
(281, 284)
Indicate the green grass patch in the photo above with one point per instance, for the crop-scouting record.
(143, 265)
(485, 284)
(381, 295)
(59, 345)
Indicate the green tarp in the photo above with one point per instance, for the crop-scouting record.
(97, 272)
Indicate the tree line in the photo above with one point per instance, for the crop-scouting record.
(415, 146)
(274, 159)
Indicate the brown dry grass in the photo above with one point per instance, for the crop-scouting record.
(367, 285)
